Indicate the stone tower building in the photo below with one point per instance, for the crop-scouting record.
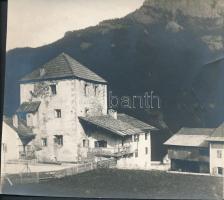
(52, 98)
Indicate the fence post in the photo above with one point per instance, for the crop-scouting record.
(21, 181)
(37, 176)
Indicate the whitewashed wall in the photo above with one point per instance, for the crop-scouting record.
(73, 102)
(12, 141)
(214, 160)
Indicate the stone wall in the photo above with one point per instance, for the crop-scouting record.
(74, 100)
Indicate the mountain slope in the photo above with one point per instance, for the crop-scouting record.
(162, 46)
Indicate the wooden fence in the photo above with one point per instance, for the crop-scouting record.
(36, 177)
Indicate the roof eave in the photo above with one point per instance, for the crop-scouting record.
(106, 128)
(193, 146)
(22, 81)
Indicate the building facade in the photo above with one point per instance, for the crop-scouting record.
(16, 140)
(121, 137)
(199, 150)
(216, 150)
(65, 105)
(63, 89)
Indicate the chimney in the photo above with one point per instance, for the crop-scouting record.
(112, 113)
(42, 71)
(15, 121)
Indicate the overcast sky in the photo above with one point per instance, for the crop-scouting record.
(37, 22)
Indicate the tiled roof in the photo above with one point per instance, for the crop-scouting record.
(25, 133)
(217, 134)
(63, 66)
(113, 125)
(29, 107)
(135, 122)
(194, 137)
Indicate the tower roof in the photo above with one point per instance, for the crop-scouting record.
(62, 66)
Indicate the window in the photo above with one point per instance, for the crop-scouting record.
(44, 142)
(57, 113)
(146, 150)
(136, 153)
(85, 89)
(53, 89)
(85, 143)
(95, 89)
(220, 170)
(58, 139)
(4, 147)
(219, 153)
(136, 138)
(101, 143)
(146, 136)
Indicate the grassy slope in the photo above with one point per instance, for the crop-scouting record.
(127, 184)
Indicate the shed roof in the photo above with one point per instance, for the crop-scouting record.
(25, 133)
(113, 125)
(29, 107)
(63, 66)
(135, 122)
(217, 134)
(194, 137)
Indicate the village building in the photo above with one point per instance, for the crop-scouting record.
(16, 140)
(120, 136)
(199, 150)
(64, 104)
(216, 151)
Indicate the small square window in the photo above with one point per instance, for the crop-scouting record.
(146, 150)
(100, 143)
(95, 89)
(85, 143)
(58, 139)
(220, 170)
(57, 113)
(4, 147)
(44, 142)
(53, 89)
(136, 137)
(146, 136)
(136, 153)
(219, 153)
(85, 89)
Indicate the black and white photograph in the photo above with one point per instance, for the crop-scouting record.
(114, 99)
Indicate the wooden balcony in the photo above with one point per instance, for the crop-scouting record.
(110, 152)
(187, 154)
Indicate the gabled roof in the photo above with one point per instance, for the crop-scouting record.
(29, 107)
(25, 133)
(63, 66)
(113, 125)
(135, 122)
(217, 134)
(193, 137)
